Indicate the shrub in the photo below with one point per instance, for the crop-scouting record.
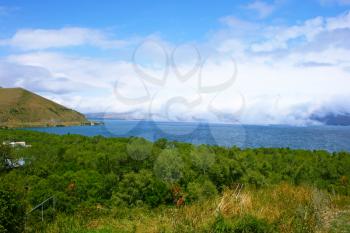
(245, 224)
(138, 188)
(221, 226)
(5, 158)
(11, 213)
(201, 190)
(251, 224)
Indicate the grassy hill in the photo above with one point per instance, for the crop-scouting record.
(22, 108)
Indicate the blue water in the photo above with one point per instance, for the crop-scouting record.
(331, 138)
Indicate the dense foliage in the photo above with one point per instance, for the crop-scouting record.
(85, 172)
(11, 212)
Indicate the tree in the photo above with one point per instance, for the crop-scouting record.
(142, 187)
(169, 166)
(139, 148)
(202, 158)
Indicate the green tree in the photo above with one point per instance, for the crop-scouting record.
(169, 166)
(139, 148)
(202, 158)
(142, 187)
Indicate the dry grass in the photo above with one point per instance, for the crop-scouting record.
(288, 207)
(21, 108)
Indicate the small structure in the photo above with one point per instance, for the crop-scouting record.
(92, 123)
(16, 144)
(16, 164)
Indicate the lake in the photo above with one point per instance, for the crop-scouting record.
(331, 138)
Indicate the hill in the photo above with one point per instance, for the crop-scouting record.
(333, 119)
(22, 108)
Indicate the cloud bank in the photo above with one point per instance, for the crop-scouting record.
(40, 39)
(244, 72)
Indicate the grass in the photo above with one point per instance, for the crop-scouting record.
(341, 222)
(283, 208)
(21, 108)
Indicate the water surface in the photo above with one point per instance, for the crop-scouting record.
(331, 138)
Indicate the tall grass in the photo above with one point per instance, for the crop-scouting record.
(282, 208)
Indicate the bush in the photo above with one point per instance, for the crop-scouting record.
(11, 213)
(251, 224)
(221, 226)
(139, 188)
(5, 158)
(245, 224)
(201, 190)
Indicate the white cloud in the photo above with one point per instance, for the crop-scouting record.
(279, 37)
(39, 39)
(339, 22)
(262, 8)
(35, 78)
(237, 23)
(285, 73)
(309, 31)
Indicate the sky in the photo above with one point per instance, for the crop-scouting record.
(249, 62)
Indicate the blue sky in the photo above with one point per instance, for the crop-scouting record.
(175, 20)
(96, 56)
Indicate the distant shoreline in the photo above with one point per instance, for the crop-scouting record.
(330, 138)
(47, 124)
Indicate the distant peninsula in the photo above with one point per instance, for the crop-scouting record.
(341, 119)
(22, 108)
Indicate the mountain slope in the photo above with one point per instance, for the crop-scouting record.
(342, 119)
(22, 108)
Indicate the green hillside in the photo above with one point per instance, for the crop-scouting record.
(22, 108)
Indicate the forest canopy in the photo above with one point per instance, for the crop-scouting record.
(82, 172)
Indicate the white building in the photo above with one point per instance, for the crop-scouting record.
(16, 144)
